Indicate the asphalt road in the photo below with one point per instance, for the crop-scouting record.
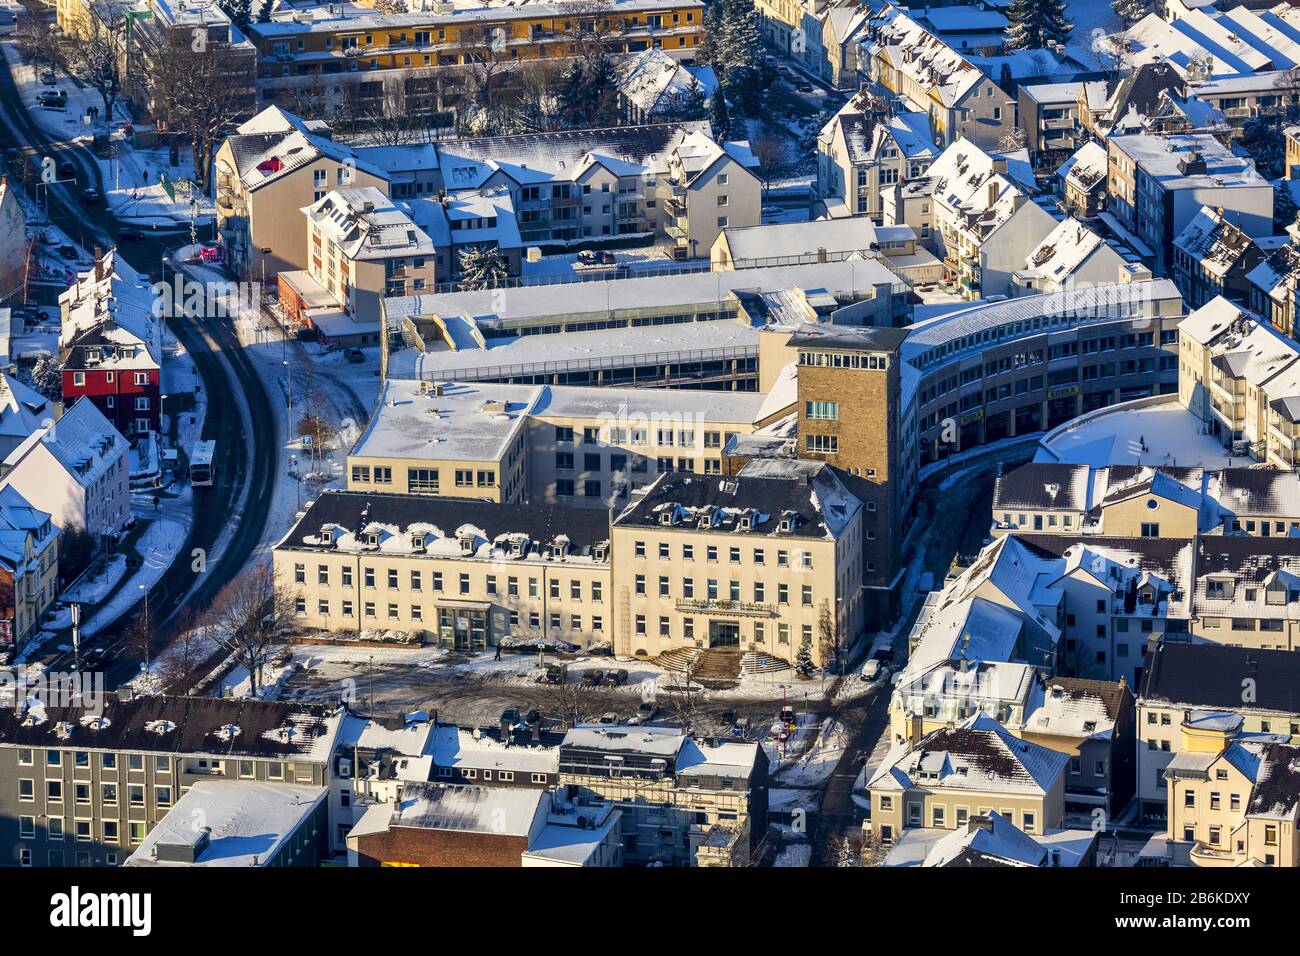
(239, 415)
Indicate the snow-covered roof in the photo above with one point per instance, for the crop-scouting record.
(469, 422)
(22, 410)
(653, 81)
(1065, 249)
(923, 58)
(461, 749)
(979, 755)
(769, 241)
(1165, 158)
(83, 442)
(499, 811)
(19, 523)
(1213, 241)
(1086, 167)
(244, 823)
(365, 224)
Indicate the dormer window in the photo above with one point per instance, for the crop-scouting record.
(372, 539)
(467, 545)
(784, 525)
(601, 552)
(517, 549)
(745, 523)
(326, 535)
(417, 542)
(666, 518)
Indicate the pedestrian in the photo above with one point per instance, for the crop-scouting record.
(498, 657)
(157, 502)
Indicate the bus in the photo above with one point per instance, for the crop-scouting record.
(202, 470)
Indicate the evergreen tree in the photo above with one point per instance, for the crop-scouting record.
(803, 662)
(720, 117)
(1284, 207)
(689, 105)
(1035, 23)
(1130, 11)
(1006, 80)
(482, 268)
(575, 104)
(602, 90)
(264, 11)
(706, 53)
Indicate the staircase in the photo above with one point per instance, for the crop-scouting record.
(717, 668)
(678, 659)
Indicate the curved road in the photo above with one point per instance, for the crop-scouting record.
(229, 518)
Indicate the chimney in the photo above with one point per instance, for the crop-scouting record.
(982, 822)
(821, 253)
(99, 264)
(993, 193)
(917, 732)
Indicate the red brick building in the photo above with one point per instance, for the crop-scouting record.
(116, 370)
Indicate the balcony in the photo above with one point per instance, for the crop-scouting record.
(736, 608)
(678, 230)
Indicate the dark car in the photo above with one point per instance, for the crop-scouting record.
(804, 87)
(90, 196)
(53, 98)
(616, 677)
(49, 78)
(534, 716)
(94, 656)
(645, 713)
(510, 716)
(592, 678)
(885, 655)
(67, 170)
(68, 251)
(354, 355)
(554, 674)
(129, 235)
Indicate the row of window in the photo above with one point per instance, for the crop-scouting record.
(491, 584)
(733, 590)
(803, 559)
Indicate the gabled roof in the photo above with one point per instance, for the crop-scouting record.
(83, 442)
(22, 409)
(978, 755)
(1211, 676)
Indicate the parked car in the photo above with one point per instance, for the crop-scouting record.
(534, 716)
(593, 677)
(609, 717)
(646, 712)
(804, 86)
(830, 103)
(68, 251)
(129, 235)
(616, 677)
(885, 655)
(89, 196)
(93, 657)
(510, 716)
(354, 355)
(554, 674)
(48, 77)
(741, 727)
(871, 669)
(55, 98)
(67, 170)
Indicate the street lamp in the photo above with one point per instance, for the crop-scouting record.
(145, 591)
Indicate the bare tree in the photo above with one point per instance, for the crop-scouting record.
(36, 37)
(593, 29)
(92, 50)
(191, 83)
(827, 634)
(137, 638)
(249, 619)
(683, 699)
(571, 701)
(180, 667)
(485, 50)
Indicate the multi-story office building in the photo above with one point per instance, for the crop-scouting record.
(686, 801)
(769, 560)
(1158, 184)
(84, 787)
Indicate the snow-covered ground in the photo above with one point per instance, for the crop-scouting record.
(794, 854)
(95, 584)
(815, 765)
(66, 122)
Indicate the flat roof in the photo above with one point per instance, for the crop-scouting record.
(249, 822)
